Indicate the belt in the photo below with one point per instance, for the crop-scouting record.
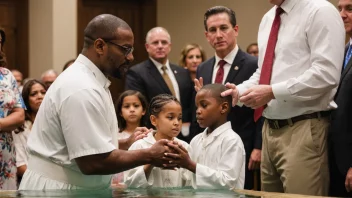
(277, 124)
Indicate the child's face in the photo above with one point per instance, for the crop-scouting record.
(132, 109)
(169, 121)
(208, 109)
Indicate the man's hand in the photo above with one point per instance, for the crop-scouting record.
(254, 160)
(348, 182)
(257, 96)
(198, 84)
(232, 90)
(181, 157)
(157, 152)
(139, 133)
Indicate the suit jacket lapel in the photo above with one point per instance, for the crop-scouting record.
(178, 77)
(208, 72)
(236, 66)
(344, 71)
(348, 66)
(155, 74)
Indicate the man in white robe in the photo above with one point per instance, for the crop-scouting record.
(73, 143)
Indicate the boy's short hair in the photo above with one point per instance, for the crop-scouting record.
(215, 90)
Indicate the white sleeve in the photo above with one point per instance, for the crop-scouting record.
(84, 124)
(326, 39)
(229, 173)
(254, 79)
(135, 177)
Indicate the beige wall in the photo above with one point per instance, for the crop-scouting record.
(184, 20)
(52, 34)
(65, 32)
(53, 31)
(40, 36)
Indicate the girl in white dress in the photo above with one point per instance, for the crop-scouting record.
(166, 116)
(131, 107)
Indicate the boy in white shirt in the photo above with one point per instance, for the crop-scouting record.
(217, 158)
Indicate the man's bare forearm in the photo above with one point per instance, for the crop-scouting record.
(113, 162)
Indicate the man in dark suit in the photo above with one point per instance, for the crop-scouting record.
(341, 128)
(231, 64)
(157, 76)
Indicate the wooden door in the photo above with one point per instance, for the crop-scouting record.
(14, 20)
(139, 14)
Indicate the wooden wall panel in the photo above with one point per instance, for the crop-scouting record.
(14, 20)
(139, 14)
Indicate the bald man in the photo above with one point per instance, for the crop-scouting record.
(148, 77)
(48, 77)
(73, 142)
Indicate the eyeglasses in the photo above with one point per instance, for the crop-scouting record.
(128, 50)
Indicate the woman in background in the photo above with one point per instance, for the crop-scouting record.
(11, 117)
(191, 56)
(33, 94)
(252, 49)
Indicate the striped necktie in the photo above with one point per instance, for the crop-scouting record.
(168, 80)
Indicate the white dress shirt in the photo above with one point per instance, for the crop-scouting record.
(158, 177)
(229, 60)
(76, 118)
(171, 76)
(308, 58)
(220, 158)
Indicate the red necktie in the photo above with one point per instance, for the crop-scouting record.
(220, 73)
(267, 66)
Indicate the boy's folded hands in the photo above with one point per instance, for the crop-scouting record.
(179, 156)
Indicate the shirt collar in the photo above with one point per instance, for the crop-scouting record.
(350, 41)
(229, 57)
(217, 131)
(150, 138)
(287, 5)
(159, 65)
(101, 78)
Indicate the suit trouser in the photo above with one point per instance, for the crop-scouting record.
(337, 180)
(249, 179)
(295, 158)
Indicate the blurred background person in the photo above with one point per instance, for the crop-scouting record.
(48, 77)
(26, 80)
(68, 63)
(3, 62)
(32, 94)
(19, 78)
(253, 50)
(11, 117)
(191, 56)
